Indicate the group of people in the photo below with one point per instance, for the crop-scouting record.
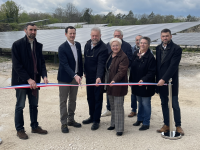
(103, 63)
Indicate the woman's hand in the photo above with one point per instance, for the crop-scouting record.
(112, 83)
(98, 80)
(140, 82)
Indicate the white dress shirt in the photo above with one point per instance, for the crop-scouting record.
(74, 51)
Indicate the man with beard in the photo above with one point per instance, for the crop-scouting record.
(95, 54)
(127, 49)
(28, 66)
(168, 56)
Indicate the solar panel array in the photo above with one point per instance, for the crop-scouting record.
(35, 21)
(93, 25)
(191, 39)
(52, 39)
(64, 25)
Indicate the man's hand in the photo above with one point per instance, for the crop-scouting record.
(45, 80)
(140, 82)
(78, 79)
(98, 80)
(112, 83)
(32, 84)
(161, 82)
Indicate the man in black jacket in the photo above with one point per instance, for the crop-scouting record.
(70, 72)
(28, 66)
(127, 49)
(95, 54)
(168, 56)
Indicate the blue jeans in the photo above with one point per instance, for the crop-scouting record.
(176, 110)
(133, 103)
(144, 110)
(20, 104)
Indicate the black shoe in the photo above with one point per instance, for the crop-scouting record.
(95, 126)
(137, 123)
(74, 124)
(64, 128)
(119, 133)
(111, 128)
(88, 121)
(144, 127)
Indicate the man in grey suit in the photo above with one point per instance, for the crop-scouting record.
(70, 72)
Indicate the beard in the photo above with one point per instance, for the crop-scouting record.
(32, 36)
(95, 41)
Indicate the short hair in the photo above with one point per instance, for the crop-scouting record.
(166, 30)
(29, 24)
(139, 35)
(96, 29)
(146, 38)
(115, 40)
(118, 30)
(69, 27)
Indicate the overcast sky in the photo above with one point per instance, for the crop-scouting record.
(163, 7)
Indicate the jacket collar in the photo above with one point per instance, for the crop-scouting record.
(99, 43)
(169, 45)
(119, 53)
(146, 55)
(27, 40)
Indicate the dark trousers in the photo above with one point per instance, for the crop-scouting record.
(20, 104)
(95, 100)
(133, 103)
(176, 110)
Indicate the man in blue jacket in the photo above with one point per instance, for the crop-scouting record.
(127, 49)
(28, 66)
(168, 56)
(133, 97)
(70, 72)
(95, 54)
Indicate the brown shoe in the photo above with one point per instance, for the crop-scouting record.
(165, 128)
(39, 130)
(132, 114)
(22, 135)
(180, 130)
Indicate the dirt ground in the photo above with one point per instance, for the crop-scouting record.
(101, 139)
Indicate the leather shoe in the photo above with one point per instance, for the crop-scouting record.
(22, 135)
(74, 124)
(39, 130)
(164, 129)
(95, 126)
(64, 128)
(110, 128)
(87, 121)
(180, 130)
(119, 133)
(137, 123)
(144, 127)
(132, 114)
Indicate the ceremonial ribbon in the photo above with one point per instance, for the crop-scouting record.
(56, 84)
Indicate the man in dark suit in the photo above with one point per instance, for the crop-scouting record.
(127, 49)
(28, 66)
(95, 54)
(168, 56)
(70, 72)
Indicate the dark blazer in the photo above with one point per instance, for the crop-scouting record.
(95, 59)
(127, 49)
(67, 63)
(168, 68)
(143, 69)
(118, 73)
(22, 62)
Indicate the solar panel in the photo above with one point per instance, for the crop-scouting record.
(35, 21)
(64, 25)
(93, 25)
(52, 39)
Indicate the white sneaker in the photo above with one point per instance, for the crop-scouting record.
(0, 141)
(106, 113)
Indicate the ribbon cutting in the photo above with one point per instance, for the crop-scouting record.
(57, 84)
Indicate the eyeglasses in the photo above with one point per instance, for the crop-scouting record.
(89, 53)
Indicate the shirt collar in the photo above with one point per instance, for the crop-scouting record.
(71, 43)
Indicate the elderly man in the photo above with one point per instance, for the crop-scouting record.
(28, 66)
(127, 49)
(168, 56)
(95, 54)
(133, 97)
(70, 72)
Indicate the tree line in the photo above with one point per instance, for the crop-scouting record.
(11, 12)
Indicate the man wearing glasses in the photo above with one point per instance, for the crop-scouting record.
(95, 54)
